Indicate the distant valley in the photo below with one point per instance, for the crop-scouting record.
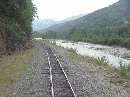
(41, 24)
(109, 25)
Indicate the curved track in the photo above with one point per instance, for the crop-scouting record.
(60, 85)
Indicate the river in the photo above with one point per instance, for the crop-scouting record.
(114, 55)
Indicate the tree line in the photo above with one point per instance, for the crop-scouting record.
(16, 18)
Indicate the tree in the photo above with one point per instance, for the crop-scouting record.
(18, 16)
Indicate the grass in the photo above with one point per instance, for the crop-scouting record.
(124, 71)
(85, 59)
(116, 75)
(77, 58)
(12, 67)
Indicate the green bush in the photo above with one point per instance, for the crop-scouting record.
(101, 61)
(115, 41)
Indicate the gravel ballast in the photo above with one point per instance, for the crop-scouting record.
(35, 83)
(87, 79)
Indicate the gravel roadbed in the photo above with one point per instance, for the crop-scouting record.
(88, 80)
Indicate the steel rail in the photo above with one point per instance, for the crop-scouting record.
(65, 74)
(52, 86)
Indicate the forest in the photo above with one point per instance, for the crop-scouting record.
(16, 18)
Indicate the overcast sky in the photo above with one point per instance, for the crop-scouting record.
(61, 9)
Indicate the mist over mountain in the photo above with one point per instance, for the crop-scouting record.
(43, 24)
(39, 25)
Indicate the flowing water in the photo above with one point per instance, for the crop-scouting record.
(114, 55)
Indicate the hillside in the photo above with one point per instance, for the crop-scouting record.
(40, 25)
(109, 25)
(72, 18)
(15, 24)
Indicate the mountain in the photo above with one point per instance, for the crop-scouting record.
(72, 18)
(110, 25)
(43, 24)
(40, 25)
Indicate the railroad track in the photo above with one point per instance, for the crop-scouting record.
(59, 83)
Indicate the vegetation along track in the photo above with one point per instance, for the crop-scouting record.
(60, 85)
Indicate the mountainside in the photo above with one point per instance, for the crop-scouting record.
(110, 25)
(42, 24)
(72, 18)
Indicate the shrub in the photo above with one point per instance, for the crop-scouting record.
(102, 61)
